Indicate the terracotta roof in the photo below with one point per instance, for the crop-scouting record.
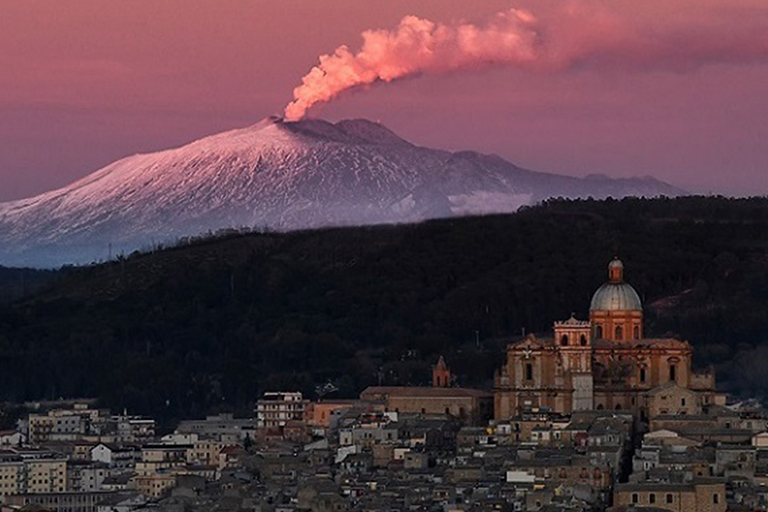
(644, 343)
(667, 386)
(425, 392)
(533, 342)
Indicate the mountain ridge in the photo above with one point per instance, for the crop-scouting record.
(205, 326)
(277, 175)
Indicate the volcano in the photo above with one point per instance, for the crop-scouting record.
(282, 176)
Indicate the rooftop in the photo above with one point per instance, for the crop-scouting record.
(425, 392)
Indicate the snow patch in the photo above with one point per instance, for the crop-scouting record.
(480, 202)
(406, 204)
(274, 175)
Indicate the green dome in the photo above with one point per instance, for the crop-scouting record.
(616, 297)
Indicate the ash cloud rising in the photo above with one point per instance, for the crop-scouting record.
(576, 36)
(417, 46)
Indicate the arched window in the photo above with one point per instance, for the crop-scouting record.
(672, 372)
(564, 340)
(619, 333)
(635, 497)
(636, 332)
(599, 332)
(600, 407)
(642, 374)
(618, 407)
(583, 341)
(528, 371)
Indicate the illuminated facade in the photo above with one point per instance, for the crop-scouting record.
(603, 363)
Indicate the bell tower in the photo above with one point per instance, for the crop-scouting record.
(441, 374)
(574, 343)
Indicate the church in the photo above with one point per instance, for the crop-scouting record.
(603, 363)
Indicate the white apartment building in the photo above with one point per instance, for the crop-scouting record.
(276, 408)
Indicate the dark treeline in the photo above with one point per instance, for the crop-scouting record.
(16, 283)
(209, 325)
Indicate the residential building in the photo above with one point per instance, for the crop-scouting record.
(275, 409)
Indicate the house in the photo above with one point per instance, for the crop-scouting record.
(671, 398)
(700, 496)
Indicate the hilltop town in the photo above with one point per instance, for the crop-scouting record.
(596, 417)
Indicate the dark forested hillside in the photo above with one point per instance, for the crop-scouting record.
(16, 283)
(210, 324)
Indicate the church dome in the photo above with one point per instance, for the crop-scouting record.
(616, 295)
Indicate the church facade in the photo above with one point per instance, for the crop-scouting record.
(603, 363)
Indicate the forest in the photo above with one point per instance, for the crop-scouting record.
(210, 323)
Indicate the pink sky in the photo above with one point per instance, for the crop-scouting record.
(85, 82)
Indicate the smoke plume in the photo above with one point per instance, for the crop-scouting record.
(575, 37)
(416, 46)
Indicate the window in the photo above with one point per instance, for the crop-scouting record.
(682, 402)
(715, 498)
(652, 498)
(672, 372)
(670, 498)
(599, 332)
(528, 371)
(619, 333)
(635, 498)
(583, 341)
(564, 340)
(642, 374)
(636, 332)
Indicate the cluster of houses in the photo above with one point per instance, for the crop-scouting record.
(432, 448)
(73, 457)
(597, 417)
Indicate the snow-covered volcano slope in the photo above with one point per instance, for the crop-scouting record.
(278, 175)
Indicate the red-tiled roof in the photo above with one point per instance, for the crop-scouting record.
(425, 392)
